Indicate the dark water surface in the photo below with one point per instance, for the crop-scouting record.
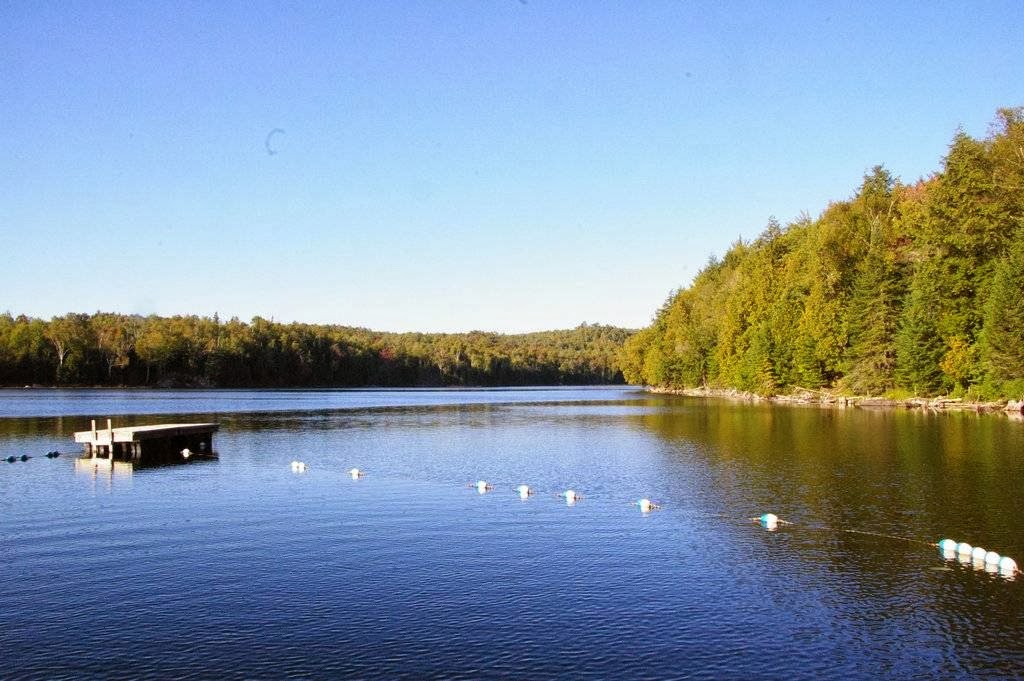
(240, 568)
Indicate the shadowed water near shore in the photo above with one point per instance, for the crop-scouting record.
(242, 568)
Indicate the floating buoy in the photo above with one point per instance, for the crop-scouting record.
(11, 459)
(570, 496)
(524, 492)
(25, 457)
(646, 505)
(990, 561)
(185, 453)
(483, 487)
(770, 521)
(356, 473)
(298, 467)
(52, 455)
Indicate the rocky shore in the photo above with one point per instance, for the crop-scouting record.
(826, 398)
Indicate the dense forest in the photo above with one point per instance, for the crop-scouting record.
(903, 289)
(116, 349)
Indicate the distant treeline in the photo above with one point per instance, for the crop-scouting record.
(904, 288)
(116, 349)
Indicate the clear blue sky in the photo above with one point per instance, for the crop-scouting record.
(446, 166)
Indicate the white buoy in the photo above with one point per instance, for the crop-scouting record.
(524, 492)
(482, 487)
(298, 467)
(770, 521)
(356, 473)
(570, 497)
(947, 546)
(1007, 565)
(979, 554)
(185, 453)
(992, 558)
(964, 549)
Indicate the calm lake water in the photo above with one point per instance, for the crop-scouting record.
(240, 568)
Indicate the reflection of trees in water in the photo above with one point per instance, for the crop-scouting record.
(839, 473)
(910, 473)
(42, 427)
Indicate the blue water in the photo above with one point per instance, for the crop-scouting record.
(240, 568)
(28, 402)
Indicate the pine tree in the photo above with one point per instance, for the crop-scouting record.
(873, 314)
(1004, 318)
(919, 348)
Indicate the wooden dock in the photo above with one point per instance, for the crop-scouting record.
(162, 443)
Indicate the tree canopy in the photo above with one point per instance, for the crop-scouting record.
(115, 349)
(902, 288)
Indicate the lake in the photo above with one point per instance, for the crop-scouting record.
(242, 568)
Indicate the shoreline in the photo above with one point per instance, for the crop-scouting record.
(823, 398)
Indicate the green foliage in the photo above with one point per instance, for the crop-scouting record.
(960, 363)
(113, 349)
(72, 337)
(1013, 389)
(1003, 337)
(898, 290)
(919, 348)
(898, 394)
(872, 316)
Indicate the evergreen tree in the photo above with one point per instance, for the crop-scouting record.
(873, 314)
(1004, 318)
(919, 348)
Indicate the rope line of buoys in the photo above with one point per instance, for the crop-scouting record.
(979, 557)
(302, 467)
(990, 561)
(523, 491)
(25, 457)
(887, 536)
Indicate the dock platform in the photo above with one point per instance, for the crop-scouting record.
(162, 443)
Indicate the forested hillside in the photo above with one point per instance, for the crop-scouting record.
(115, 349)
(901, 289)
